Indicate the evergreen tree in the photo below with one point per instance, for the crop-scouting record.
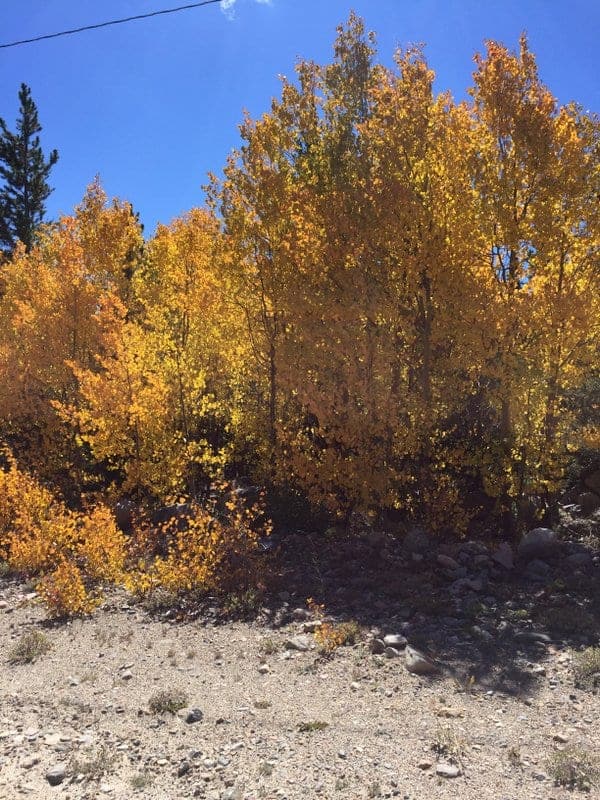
(24, 172)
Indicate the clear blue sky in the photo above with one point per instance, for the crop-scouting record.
(152, 106)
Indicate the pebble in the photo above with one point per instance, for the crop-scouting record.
(447, 770)
(395, 640)
(300, 643)
(418, 663)
(194, 715)
(56, 775)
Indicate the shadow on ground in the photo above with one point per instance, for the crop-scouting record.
(489, 625)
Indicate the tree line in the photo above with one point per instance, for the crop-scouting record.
(385, 305)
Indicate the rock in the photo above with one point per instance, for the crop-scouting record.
(447, 770)
(312, 625)
(588, 502)
(560, 737)
(538, 543)
(538, 568)
(300, 643)
(395, 640)
(580, 561)
(264, 669)
(592, 481)
(503, 555)
(194, 715)
(418, 663)
(300, 614)
(391, 652)
(56, 775)
(183, 769)
(447, 561)
(533, 636)
(416, 541)
(425, 763)
(127, 675)
(377, 646)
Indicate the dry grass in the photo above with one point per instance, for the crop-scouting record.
(586, 668)
(29, 648)
(574, 768)
(168, 701)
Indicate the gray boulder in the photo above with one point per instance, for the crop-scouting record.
(538, 543)
(588, 502)
(418, 663)
(417, 541)
(503, 555)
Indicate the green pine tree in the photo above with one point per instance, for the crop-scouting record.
(24, 172)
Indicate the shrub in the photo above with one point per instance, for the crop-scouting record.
(586, 668)
(168, 701)
(29, 647)
(574, 768)
(217, 552)
(70, 552)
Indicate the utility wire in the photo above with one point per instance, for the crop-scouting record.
(110, 22)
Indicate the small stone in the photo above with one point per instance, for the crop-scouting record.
(447, 561)
(301, 614)
(127, 675)
(418, 663)
(342, 754)
(312, 625)
(395, 640)
(264, 669)
(194, 715)
(425, 763)
(560, 737)
(300, 643)
(447, 770)
(56, 775)
(377, 646)
(503, 555)
(391, 652)
(183, 769)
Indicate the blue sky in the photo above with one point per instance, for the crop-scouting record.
(152, 106)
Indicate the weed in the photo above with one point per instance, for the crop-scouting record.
(574, 768)
(312, 725)
(142, 780)
(448, 745)
(586, 668)
(564, 620)
(96, 767)
(168, 700)
(268, 647)
(30, 646)
(266, 768)
(514, 757)
(4, 569)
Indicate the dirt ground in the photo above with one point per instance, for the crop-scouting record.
(275, 721)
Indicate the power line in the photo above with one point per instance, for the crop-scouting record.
(110, 22)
